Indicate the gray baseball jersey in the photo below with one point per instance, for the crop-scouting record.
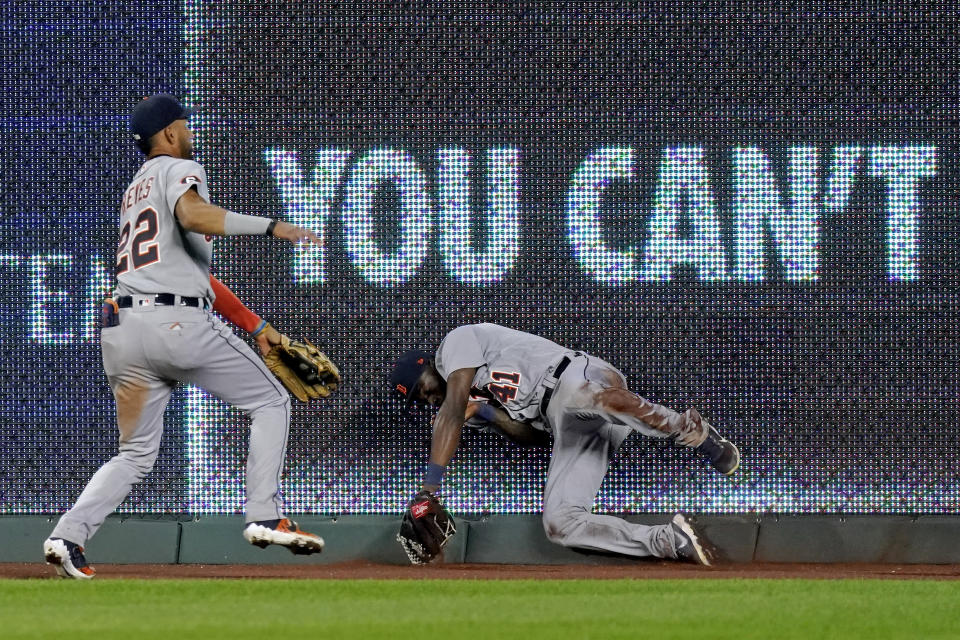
(154, 253)
(511, 366)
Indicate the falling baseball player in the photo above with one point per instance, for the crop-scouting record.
(157, 330)
(527, 388)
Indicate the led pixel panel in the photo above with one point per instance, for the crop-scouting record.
(749, 213)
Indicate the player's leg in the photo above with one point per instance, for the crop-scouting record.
(226, 367)
(230, 370)
(603, 391)
(140, 407)
(582, 449)
(688, 429)
(141, 398)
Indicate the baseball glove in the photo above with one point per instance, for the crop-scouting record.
(425, 528)
(305, 371)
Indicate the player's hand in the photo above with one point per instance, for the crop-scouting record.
(268, 339)
(471, 410)
(295, 234)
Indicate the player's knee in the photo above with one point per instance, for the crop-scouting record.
(560, 524)
(282, 399)
(278, 402)
(141, 463)
(617, 400)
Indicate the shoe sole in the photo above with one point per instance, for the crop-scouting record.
(737, 465)
(723, 440)
(702, 550)
(297, 543)
(56, 554)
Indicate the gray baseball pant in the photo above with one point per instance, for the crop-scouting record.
(145, 356)
(586, 437)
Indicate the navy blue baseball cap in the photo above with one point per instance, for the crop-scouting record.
(155, 113)
(407, 372)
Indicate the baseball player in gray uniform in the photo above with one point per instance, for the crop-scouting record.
(524, 387)
(158, 331)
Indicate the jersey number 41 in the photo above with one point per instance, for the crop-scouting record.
(505, 385)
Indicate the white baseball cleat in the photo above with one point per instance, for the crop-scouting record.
(285, 533)
(68, 558)
(696, 547)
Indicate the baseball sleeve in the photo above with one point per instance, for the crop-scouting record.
(182, 176)
(229, 306)
(460, 349)
(481, 425)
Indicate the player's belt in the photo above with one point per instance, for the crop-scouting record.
(162, 299)
(549, 392)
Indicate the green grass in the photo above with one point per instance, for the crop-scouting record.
(430, 609)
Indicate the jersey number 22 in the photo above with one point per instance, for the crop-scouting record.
(142, 249)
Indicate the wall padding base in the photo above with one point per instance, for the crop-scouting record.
(504, 539)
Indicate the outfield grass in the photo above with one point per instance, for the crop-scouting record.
(454, 609)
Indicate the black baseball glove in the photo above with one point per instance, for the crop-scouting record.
(425, 528)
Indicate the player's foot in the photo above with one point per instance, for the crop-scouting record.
(694, 545)
(722, 454)
(283, 532)
(68, 558)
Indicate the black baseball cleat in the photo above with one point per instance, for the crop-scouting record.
(68, 558)
(694, 546)
(285, 533)
(722, 454)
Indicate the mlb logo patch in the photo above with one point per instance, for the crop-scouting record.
(191, 180)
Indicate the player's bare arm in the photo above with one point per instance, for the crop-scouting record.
(521, 433)
(448, 424)
(197, 215)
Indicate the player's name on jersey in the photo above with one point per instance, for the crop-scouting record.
(137, 192)
(774, 204)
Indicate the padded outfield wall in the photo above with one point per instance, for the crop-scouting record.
(752, 213)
